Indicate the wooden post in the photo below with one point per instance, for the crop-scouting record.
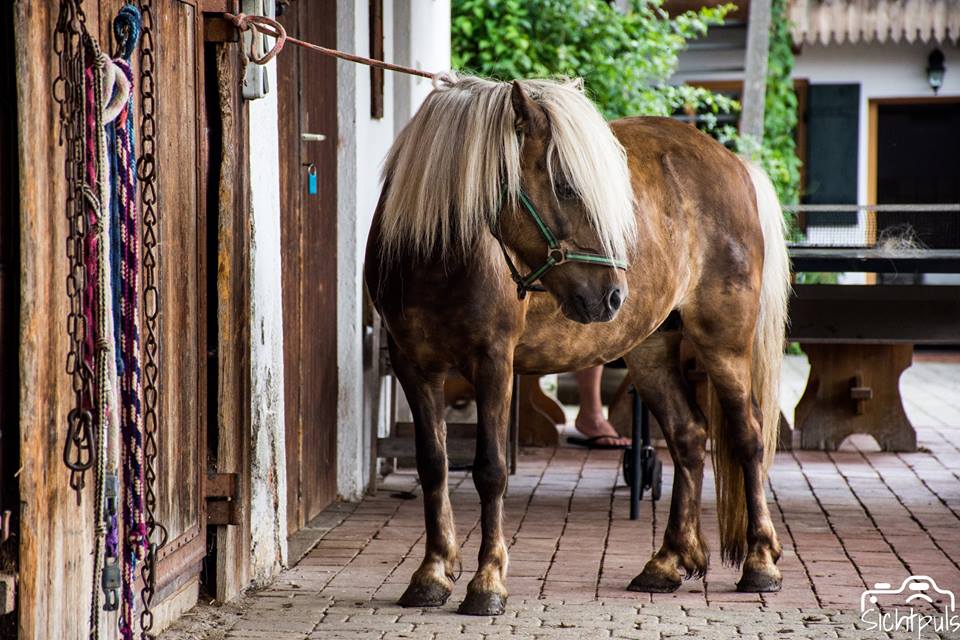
(755, 81)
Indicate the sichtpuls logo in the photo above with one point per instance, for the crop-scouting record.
(917, 607)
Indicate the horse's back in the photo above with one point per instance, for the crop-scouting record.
(665, 153)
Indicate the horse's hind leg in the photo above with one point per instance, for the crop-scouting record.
(432, 582)
(492, 377)
(655, 370)
(725, 353)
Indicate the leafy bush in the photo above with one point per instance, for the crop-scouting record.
(625, 60)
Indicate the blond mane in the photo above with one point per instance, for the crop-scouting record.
(450, 167)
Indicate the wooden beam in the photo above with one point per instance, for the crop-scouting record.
(232, 559)
(755, 80)
(814, 259)
(838, 314)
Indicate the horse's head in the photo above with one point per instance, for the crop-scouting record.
(586, 291)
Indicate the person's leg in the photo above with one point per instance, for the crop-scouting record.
(590, 420)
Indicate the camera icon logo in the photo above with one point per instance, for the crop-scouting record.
(914, 590)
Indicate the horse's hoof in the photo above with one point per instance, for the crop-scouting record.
(654, 583)
(478, 603)
(429, 594)
(754, 581)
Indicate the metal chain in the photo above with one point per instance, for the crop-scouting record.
(70, 38)
(146, 174)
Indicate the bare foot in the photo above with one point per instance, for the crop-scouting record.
(594, 424)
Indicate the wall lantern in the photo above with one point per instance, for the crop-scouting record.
(935, 70)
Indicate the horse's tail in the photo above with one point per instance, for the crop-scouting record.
(765, 370)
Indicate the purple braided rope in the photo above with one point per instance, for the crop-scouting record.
(90, 241)
(125, 190)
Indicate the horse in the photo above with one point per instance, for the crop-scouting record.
(517, 231)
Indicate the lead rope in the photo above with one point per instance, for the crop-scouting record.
(126, 27)
(264, 26)
(96, 249)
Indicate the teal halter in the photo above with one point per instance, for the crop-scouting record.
(556, 254)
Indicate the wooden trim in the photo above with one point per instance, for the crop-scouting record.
(376, 52)
(917, 100)
(872, 123)
(232, 556)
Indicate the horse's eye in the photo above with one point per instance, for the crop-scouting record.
(565, 191)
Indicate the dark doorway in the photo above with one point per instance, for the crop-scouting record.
(308, 184)
(9, 319)
(917, 163)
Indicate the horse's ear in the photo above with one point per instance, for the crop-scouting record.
(530, 118)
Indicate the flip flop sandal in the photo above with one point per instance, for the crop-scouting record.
(594, 442)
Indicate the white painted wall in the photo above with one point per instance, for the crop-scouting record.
(422, 41)
(268, 499)
(883, 71)
(416, 32)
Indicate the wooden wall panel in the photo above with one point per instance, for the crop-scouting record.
(182, 233)
(232, 282)
(56, 535)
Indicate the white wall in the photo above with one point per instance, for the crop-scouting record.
(422, 41)
(883, 71)
(268, 499)
(423, 26)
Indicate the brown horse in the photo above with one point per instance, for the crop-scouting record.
(492, 180)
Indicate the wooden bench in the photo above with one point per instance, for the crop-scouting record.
(859, 339)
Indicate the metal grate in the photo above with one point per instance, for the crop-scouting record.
(892, 226)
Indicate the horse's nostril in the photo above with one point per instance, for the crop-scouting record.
(614, 300)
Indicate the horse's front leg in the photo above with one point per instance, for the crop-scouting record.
(432, 582)
(487, 591)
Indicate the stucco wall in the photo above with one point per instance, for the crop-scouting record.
(883, 71)
(268, 499)
(422, 28)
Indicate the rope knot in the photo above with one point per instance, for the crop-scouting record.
(126, 29)
(261, 26)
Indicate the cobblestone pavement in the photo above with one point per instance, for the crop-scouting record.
(846, 519)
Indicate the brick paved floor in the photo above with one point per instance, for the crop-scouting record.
(846, 520)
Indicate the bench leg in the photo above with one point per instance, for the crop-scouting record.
(855, 388)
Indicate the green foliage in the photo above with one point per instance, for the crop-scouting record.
(624, 59)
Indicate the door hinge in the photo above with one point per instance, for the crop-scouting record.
(222, 493)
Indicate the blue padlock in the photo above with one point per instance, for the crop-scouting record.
(311, 179)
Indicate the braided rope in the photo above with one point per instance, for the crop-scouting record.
(93, 76)
(134, 524)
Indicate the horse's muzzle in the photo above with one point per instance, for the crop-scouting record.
(585, 308)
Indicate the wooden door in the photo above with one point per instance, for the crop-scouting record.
(308, 108)
(56, 539)
(916, 164)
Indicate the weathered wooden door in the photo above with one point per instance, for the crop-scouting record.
(55, 547)
(308, 183)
